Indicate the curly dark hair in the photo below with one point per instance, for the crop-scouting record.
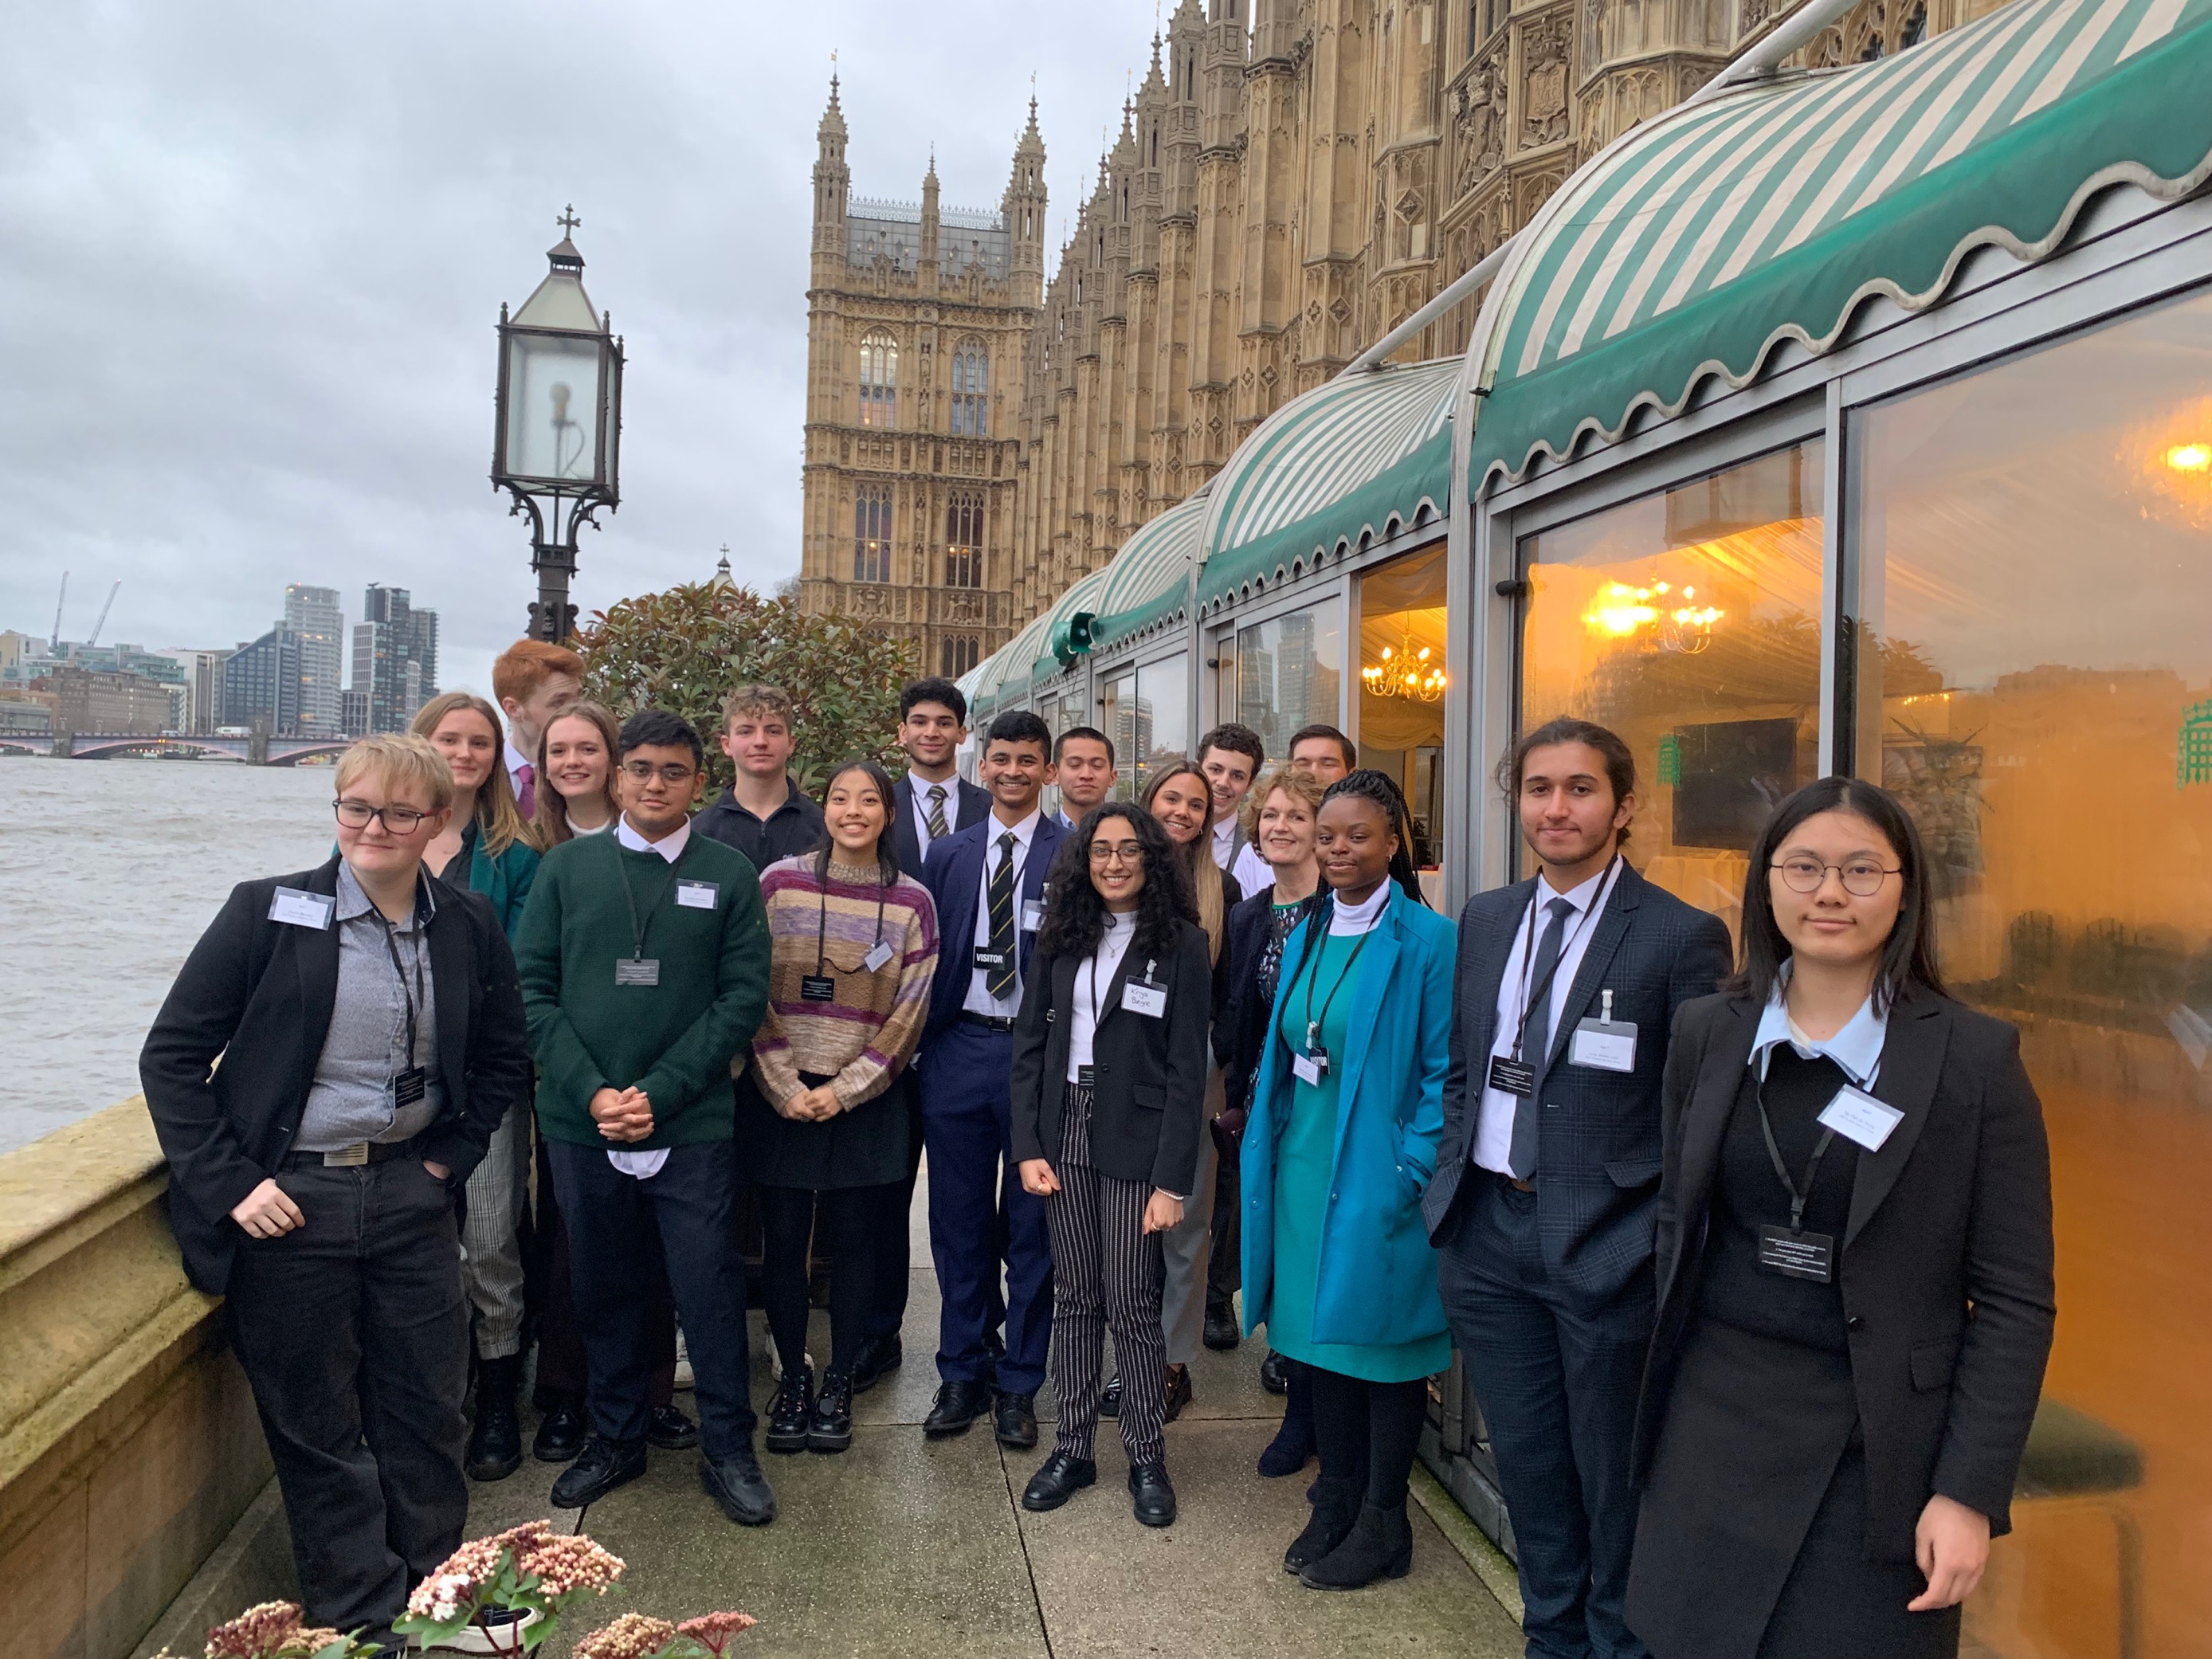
(1370, 785)
(1074, 914)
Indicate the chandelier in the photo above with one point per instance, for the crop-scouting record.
(1407, 673)
(1659, 617)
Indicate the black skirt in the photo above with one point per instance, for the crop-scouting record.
(864, 1147)
(1751, 1539)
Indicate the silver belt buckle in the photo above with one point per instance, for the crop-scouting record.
(347, 1157)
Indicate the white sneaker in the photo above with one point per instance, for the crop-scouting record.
(684, 1378)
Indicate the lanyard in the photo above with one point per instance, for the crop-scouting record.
(822, 922)
(1543, 988)
(1313, 972)
(637, 926)
(1798, 1197)
(391, 945)
(1091, 963)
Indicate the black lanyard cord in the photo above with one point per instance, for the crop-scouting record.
(1543, 988)
(416, 999)
(637, 926)
(822, 921)
(1311, 968)
(1798, 1198)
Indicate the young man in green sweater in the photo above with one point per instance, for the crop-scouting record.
(644, 956)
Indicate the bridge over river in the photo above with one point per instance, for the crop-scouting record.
(257, 748)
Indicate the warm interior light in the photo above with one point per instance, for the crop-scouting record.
(1619, 612)
(2190, 457)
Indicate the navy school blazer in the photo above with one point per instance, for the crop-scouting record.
(967, 803)
(953, 872)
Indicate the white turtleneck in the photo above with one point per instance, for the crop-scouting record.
(1348, 920)
(1094, 981)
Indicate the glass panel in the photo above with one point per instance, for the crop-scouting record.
(1164, 695)
(1402, 693)
(552, 407)
(1127, 724)
(1688, 622)
(1290, 673)
(2035, 679)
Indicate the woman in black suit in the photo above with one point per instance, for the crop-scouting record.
(1108, 1097)
(1855, 1268)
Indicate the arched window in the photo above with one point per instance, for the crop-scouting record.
(971, 384)
(871, 534)
(964, 540)
(879, 380)
(958, 655)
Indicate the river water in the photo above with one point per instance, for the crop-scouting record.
(109, 872)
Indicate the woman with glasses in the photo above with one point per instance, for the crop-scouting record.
(369, 1035)
(852, 948)
(575, 768)
(1108, 1097)
(1854, 1256)
(485, 847)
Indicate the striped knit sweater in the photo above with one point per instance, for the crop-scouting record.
(866, 1033)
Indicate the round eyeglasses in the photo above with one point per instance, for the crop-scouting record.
(1861, 878)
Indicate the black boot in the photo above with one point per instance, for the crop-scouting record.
(831, 1428)
(495, 1441)
(1381, 1546)
(1336, 1506)
(793, 1405)
(1293, 1445)
(561, 1436)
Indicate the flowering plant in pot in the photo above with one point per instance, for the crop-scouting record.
(637, 1636)
(505, 1594)
(273, 1630)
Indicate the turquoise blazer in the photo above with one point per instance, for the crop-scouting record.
(1377, 1280)
(504, 880)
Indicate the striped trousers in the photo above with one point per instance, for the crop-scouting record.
(491, 1237)
(1106, 1272)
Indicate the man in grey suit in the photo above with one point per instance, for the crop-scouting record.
(1546, 1196)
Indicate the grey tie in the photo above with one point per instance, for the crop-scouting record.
(1536, 1043)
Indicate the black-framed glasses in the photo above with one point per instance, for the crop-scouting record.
(644, 772)
(397, 820)
(1105, 852)
(1861, 878)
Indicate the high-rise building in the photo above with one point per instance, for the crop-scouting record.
(202, 688)
(313, 617)
(354, 713)
(261, 682)
(423, 651)
(395, 657)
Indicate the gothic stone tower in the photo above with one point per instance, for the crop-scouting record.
(918, 321)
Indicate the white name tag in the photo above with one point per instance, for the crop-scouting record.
(1609, 1045)
(1149, 999)
(696, 895)
(1857, 1116)
(1032, 916)
(299, 909)
(877, 957)
(1310, 1068)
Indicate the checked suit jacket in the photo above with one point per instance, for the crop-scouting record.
(1599, 1138)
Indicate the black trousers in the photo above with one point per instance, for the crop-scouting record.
(1224, 1274)
(354, 1332)
(1367, 1432)
(563, 1368)
(850, 1215)
(613, 1219)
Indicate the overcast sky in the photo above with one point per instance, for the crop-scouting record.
(252, 255)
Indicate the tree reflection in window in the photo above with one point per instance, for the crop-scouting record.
(879, 380)
(871, 534)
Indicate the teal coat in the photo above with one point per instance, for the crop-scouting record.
(504, 880)
(1378, 1282)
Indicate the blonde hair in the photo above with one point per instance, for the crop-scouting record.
(402, 759)
(1294, 781)
(1205, 874)
(549, 822)
(499, 820)
(771, 701)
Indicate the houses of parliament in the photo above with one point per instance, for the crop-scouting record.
(1291, 179)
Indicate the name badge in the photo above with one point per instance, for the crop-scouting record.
(1085, 1076)
(1032, 916)
(1796, 1255)
(1310, 1068)
(1148, 999)
(410, 1086)
(696, 895)
(989, 958)
(817, 988)
(637, 970)
(1609, 1045)
(877, 957)
(1857, 1116)
(299, 909)
(1516, 1078)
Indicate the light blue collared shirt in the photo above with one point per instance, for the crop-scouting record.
(1856, 1050)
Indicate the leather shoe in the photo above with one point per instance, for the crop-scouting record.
(1379, 1545)
(831, 1428)
(959, 1405)
(495, 1438)
(560, 1435)
(1151, 1498)
(1178, 1392)
(1221, 1330)
(737, 1484)
(666, 1427)
(1013, 1420)
(789, 1412)
(880, 1356)
(1109, 1403)
(1058, 1478)
(601, 1467)
(1274, 1373)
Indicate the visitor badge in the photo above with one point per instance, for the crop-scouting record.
(409, 1087)
(1516, 1078)
(1797, 1255)
(1608, 1044)
(1310, 1068)
(696, 895)
(1857, 1116)
(990, 958)
(301, 909)
(637, 970)
(1151, 1001)
(1032, 916)
(877, 957)
(817, 988)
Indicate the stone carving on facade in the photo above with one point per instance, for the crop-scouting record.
(1544, 46)
(1478, 124)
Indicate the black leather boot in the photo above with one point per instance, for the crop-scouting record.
(1336, 1506)
(788, 1415)
(1379, 1546)
(495, 1439)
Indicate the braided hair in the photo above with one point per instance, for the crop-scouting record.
(1370, 785)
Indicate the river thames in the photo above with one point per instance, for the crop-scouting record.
(110, 871)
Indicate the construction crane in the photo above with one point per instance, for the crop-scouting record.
(104, 610)
(55, 645)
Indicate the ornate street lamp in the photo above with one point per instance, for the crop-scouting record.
(556, 434)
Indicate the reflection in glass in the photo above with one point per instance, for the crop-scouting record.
(1163, 697)
(1290, 673)
(1402, 682)
(1688, 622)
(1128, 726)
(2034, 676)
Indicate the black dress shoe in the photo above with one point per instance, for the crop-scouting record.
(959, 1405)
(1379, 1545)
(601, 1467)
(1274, 1375)
(1013, 1420)
(1109, 1403)
(737, 1484)
(666, 1427)
(1178, 1392)
(831, 1428)
(1059, 1478)
(1151, 1498)
(880, 1356)
(495, 1438)
(789, 1413)
(1221, 1331)
(561, 1436)
(1335, 1507)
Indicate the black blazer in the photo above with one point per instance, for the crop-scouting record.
(966, 804)
(1240, 1032)
(257, 994)
(1151, 1073)
(1945, 1266)
(1597, 1159)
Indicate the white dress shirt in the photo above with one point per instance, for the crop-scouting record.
(1349, 920)
(980, 999)
(1253, 873)
(1493, 1131)
(669, 846)
(1225, 842)
(1094, 984)
(921, 786)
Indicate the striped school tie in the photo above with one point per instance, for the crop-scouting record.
(1000, 980)
(936, 828)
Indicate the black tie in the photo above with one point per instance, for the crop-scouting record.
(1537, 1039)
(1000, 980)
(937, 811)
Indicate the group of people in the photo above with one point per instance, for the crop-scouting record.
(1747, 1252)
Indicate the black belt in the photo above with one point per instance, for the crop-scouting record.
(379, 1151)
(989, 1022)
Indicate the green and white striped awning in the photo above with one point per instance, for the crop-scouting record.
(1074, 613)
(1005, 674)
(1714, 232)
(1365, 454)
(1148, 581)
